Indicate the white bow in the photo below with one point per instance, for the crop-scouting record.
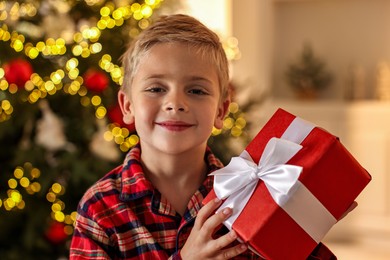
(237, 181)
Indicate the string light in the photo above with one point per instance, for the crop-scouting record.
(6, 110)
(85, 41)
(24, 178)
(121, 136)
(234, 122)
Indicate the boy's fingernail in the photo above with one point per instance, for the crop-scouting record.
(243, 247)
(226, 211)
(217, 200)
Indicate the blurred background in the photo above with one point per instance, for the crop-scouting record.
(326, 61)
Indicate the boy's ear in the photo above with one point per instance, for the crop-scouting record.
(221, 113)
(126, 107)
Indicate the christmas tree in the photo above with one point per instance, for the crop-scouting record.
(60, 124)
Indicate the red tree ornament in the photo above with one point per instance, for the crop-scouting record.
(95, 80)
(18, 72)
(56, 233)
(115, 116)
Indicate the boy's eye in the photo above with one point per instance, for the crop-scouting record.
(155, 90)
(198, 92)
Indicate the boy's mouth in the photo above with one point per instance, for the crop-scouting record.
(174, 125)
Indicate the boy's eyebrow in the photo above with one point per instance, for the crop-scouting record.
(199, 78)
(192, 78)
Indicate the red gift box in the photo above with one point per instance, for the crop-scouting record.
(290, 225)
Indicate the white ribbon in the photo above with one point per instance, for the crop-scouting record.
(237, 181)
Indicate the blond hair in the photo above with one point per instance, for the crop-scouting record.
(183, 29)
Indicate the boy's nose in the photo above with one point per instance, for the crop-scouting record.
(176, 103)
(174, 108)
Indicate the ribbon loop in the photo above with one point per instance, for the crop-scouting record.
(239, 178)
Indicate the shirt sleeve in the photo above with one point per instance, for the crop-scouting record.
(89, 240)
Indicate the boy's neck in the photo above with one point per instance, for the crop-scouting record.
(177, 177)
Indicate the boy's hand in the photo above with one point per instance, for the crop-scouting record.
(201, 245)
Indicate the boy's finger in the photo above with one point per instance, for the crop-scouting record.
(206, 211)
(234, 251)
(224, 240)
(216, 220)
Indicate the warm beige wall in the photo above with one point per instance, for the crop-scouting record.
(253, 27)
(342, 32)
(271, 34)
(216, 14)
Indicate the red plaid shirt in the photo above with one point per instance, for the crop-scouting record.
(123, 216)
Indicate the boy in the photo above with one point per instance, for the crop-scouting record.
(175, 90)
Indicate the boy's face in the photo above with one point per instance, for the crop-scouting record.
(174, 99)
